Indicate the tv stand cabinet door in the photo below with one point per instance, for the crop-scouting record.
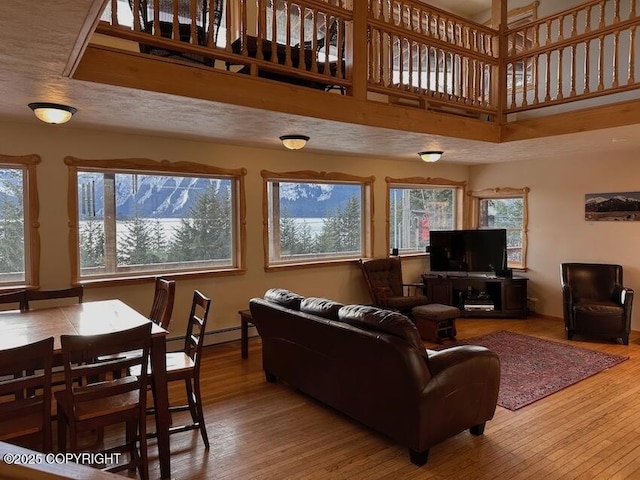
(439, 290)
(514, 297)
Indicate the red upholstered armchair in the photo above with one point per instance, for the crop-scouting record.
(595, 302)
(384, 280)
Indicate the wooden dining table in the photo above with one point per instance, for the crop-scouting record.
(91, 318)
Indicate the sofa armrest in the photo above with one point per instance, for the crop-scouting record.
(442, 360)
(622, 295)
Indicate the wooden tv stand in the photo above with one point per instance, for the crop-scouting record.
(479, 296)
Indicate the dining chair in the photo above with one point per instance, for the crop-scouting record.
(37, 295)
(25, 391)
(185, 366)
(163, 298)
(17, 298)
(93, 399)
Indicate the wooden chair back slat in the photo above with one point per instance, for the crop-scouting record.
(25, 389)
(163, 299)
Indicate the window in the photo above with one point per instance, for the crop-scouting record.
(316, 217)
(418, 205)
(504, 208)
(136, 218)
(19, 237)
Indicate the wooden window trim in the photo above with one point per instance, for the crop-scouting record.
(497, 193)
(143, 165)
(32, 222)
(424, 182)
(312, 177)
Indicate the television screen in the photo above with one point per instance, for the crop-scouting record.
(468, 250)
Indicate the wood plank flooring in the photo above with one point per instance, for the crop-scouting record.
(263, 431)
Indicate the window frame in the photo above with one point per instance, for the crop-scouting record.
(503, 193)
(152, 167)
(31, 214)
(424, 183)
(307, 176)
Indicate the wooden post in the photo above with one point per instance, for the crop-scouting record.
(499, 74)
(357, 63)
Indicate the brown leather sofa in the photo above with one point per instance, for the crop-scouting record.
(371, 365)
(595, 301)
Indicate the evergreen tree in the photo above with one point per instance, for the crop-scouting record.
(142, 244)
(295, 238)
(11, 222)
(206, 233)
(92, 243)
(341, 230)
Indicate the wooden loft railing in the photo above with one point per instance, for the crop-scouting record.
(430, 55)
(412, 53)
(579, 53)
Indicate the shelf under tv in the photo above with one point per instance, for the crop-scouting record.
(502, 297)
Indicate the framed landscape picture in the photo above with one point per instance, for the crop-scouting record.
(621, 206)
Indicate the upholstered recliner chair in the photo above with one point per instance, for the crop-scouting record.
(384, 280)
(595, 302)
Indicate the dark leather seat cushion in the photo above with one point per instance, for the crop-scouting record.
(435, 312)
(599, 308)
(405, 304)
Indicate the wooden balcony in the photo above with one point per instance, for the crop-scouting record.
(384, 54)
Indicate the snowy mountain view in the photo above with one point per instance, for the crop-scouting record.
(620, 206)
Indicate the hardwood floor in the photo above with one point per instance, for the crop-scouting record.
(269, 431)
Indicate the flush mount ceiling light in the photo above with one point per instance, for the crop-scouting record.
(430, 155)
(53, 113)
(294, 142)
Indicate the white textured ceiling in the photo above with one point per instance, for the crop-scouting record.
(37, 40)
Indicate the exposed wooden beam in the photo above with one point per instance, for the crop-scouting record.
(596, 118)
(133, 70)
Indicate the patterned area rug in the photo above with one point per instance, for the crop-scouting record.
(532, 368)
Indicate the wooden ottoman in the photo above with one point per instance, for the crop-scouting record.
(435, 321)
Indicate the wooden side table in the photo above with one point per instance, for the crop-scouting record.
(245, 323)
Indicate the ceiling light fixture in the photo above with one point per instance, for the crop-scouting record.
(53, 113)
(431, 155)
(294, 142)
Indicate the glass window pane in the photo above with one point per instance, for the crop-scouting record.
(138, 222)
(504, 213)
(315, 221)
(415, 211)
(12, 225)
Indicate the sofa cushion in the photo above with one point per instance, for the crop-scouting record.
(284, 297)
(321, 307)
(386, 321)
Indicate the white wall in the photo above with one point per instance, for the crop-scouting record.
(229, 293)
(558, 231)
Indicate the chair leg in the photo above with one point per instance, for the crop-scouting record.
(200, 413)
(62, 432)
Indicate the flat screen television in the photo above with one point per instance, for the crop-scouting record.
(479, 251)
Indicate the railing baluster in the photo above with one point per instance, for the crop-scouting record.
(614, 59)
(560, 78)
(572, 73)
(587, 67)
(601, 63)
(632, 54)
(547, 95)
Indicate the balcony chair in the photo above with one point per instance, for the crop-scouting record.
(185, 366)
(37, 295)
(25, 396)
(163, 298)
(146, 15)
(94, 399)
(595, 302)
(17, 298)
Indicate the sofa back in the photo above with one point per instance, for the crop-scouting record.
(370, 374)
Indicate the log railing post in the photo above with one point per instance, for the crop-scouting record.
(357, 62)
